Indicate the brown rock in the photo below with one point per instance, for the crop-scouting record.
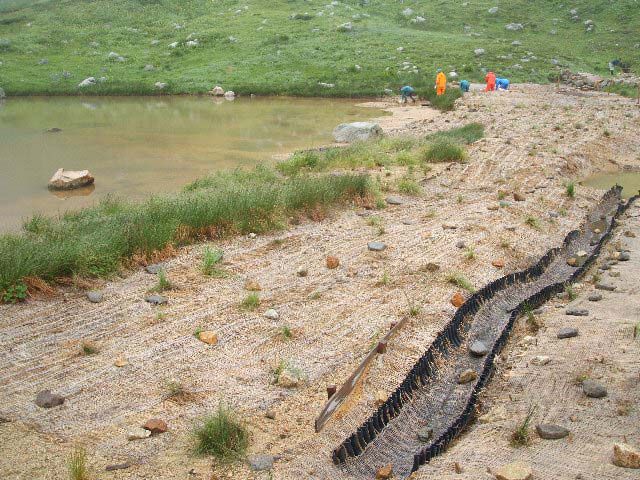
(332, 262)
(467, 376)
(458, 469)
(121, 362)
(384, 473)
(208, 337)
(626, 456)
(457, 300)
(514, 471)
(518, 197)
(498, 263)
(493, 208)
(70, 179)
(252, 286)
(155, 426)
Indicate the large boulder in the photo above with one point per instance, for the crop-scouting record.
(70, 179)
(218, 91)
(351, 132)
(87, 82)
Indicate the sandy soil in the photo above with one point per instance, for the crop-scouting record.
(536, 140)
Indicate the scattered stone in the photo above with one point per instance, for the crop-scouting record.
(493, 10)
(271, 314)
(549, 431)
(208, 337)
(449, 226)
(461, 244)
(217, 91)
(87, 82)
(94, 296)
(457, 300)
(380, 398)
(493, 208)
(252, 286)
(625, 456)
(149, 68)
(431, 267)
(518, 197)
(392, 200)
(496, 414)
(577, 312)
(614, 274)
(514, 471)
(595, 297)
(540, 360)
(155, 299)
(593, 389)
(606, 287)
(332, 262)
(478, 349)
(117, 466)
(261, 463)
(155, 268)
(425, 434)
(229, 95)
(567, 332)
(572, 261)
(302, 272)
(137, 433)
(629, 234)
(467, 376)
(70, 179)
(624, 257)
(581, 253)
(270, 414)
(160, 85)
(357, 131)
(156, 426)
(479, 52)
(54, 130)
(498, 263)
(46, 399)
(528, 340)
(376, 246)
(121, 362)
(345, 27)
(289, 378)
(408, 221)
(384, 473)
(514, 26)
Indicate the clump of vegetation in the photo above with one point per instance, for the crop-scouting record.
(250, 302)
(570, 292)
(408, 185)
(521, 436)
(385, 280)
(173, 388)
(461, 281)
(210, 260)
(444, 151)
(89, 348)
(285, 332)
(571, 189)
(469, 254)
(221, 435)
(463, 135)
(444, 103)
(376, 221)
(163, 282)
(533, 323)
(77, 464)
(17, 292)
(532, 221)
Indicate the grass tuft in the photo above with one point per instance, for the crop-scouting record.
(77, 464)
(250, 302)
(571, 190)
(461, 281)
(521, 436)
(222, 436)
(210, 260)
(444, 151)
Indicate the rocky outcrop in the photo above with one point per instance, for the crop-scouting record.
(351, 132)
(589, 81)
(70, 179)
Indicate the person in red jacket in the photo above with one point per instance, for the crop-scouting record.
(491, 82)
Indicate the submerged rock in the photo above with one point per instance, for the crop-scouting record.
(351, 132)
(70, 179)
(217, 91)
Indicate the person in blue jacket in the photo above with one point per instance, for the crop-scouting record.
(502, 84)
(464, 85)
(408, 92)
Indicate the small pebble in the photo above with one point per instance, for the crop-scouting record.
(272, 314)
(376, 246)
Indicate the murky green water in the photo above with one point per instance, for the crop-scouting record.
(140, 146)
(629, 181)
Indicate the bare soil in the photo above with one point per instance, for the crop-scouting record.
(537, 139)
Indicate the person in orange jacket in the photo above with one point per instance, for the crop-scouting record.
(441, 83)
(491, 82)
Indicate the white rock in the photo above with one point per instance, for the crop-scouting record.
(407, 12)
(357, 68)
(87, 82)
(229, 95)
(514, 26)
(137, 433)
(173, 45)
(70, 179)
(272, 314)
(218, 91)
(453, 75)
(326, 85)
(345, 27)
(479, 51)
(113, 55)
(493, 10)
(155, 42)
(192, 43)
(160, 85)
(418, 20)
(540, 360)
(400, 49)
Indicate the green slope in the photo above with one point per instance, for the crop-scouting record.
(272, 51)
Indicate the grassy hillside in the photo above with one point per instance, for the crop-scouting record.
(293, 46)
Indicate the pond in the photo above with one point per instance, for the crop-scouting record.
(139, 146)
(629, 181)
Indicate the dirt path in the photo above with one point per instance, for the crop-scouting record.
(536, 140)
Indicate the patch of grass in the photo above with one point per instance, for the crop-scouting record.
(89, 348)
(444, 103)
(409, 186)
(459, 280)
(570, 292)
(250, 302)
(570, 189)
(636, 330)
(533, 323)
(521, 436)
(624, 90)
(173, 388)
(285, 332)
(163, 282)
(17, 292)
(221, 435)
(77, 464)
(444, 151)
(469, 254)
(532, 221)
(97, 241)
(210, 260)
(385, 280)
(463, 135)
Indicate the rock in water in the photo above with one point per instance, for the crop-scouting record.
(626, 456)
(217, 91)
(351, 132)
(46, 399)
(514, 471)
(593, 389)
(70, 179)
(260, 463)
(549, 431)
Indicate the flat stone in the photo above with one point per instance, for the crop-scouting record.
(605, 286)
(595, 297)
(208, 337)
(156, 426)
(461, 244)
(478, 349)
(70, 179)
(94, 297)
(518, 197)
(376, 246)
(540, 360)
(155, 268)
(137, 433)
(577, 312)
(261, 463)
(121, 362)
(567, 332)
(156, 299)
(467, 376)
(626, 456)
(514, 471)
(270, 414)
(449, 226)
(497, 414)
(393, 200)
(272, 314)
(549, 431)
(593, 389)
(498, 263)
(384, 473)
(117, 466)
(624, 257)
(408, 221)
(425, 434)
(46, 399)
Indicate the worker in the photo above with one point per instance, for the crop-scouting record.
(408, 92)
(465, 85)
(491, 82)
(502, 84)
(441, 83)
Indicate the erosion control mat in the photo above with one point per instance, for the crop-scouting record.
(431, 396)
